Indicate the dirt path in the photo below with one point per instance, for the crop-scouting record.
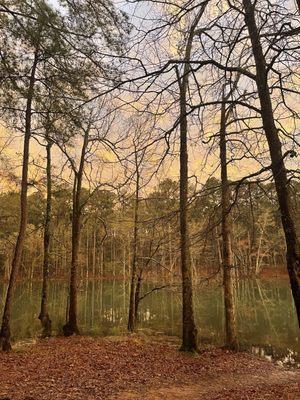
(283, 384)
(134, 367)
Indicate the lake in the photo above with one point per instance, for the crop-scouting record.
(266, 317)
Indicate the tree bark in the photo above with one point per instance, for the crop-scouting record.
(189, 330)
(44, 314)
(137, 295)
(228, 279)
(18, 251)
(71, 326)
(131, 314)
(275, 148)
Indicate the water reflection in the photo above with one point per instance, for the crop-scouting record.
(266, 316)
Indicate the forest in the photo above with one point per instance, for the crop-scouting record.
(149, 199)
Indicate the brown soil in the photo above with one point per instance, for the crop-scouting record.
(135, 367)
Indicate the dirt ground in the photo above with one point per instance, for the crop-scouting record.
(135, 367)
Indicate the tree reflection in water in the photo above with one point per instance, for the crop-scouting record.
(267, 322)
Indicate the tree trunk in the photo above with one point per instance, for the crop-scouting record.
(71, 326)
(275, 148)
(94, 253)
(189, 330)
(252, 238)
(137, 295)
(87, 258)
(44, 315)
(5, 328)
(228, 279)
(131, 314)
(259, 246)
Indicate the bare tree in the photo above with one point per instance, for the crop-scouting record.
(229, 292)
(132, 299)
(71, 326)
(189, 330)
(276, 154)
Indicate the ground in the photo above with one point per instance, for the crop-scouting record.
(138, 367)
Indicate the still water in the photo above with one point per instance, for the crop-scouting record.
(266, 316)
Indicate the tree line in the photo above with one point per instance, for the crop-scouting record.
(106, 240)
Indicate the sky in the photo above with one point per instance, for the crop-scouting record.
(203, 160)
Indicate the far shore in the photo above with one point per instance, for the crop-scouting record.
(267, 273)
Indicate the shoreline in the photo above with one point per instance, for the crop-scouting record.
(280, 273)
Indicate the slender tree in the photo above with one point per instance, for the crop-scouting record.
(44, 313)
(133, 280)
(36, 38)
(228, 278)
(5, 328)
(189, 330)
(71, 327)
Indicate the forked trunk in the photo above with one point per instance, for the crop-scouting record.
(71, 327)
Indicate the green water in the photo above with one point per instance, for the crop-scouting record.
(266, 316)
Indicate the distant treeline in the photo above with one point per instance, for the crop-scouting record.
(106, 240)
